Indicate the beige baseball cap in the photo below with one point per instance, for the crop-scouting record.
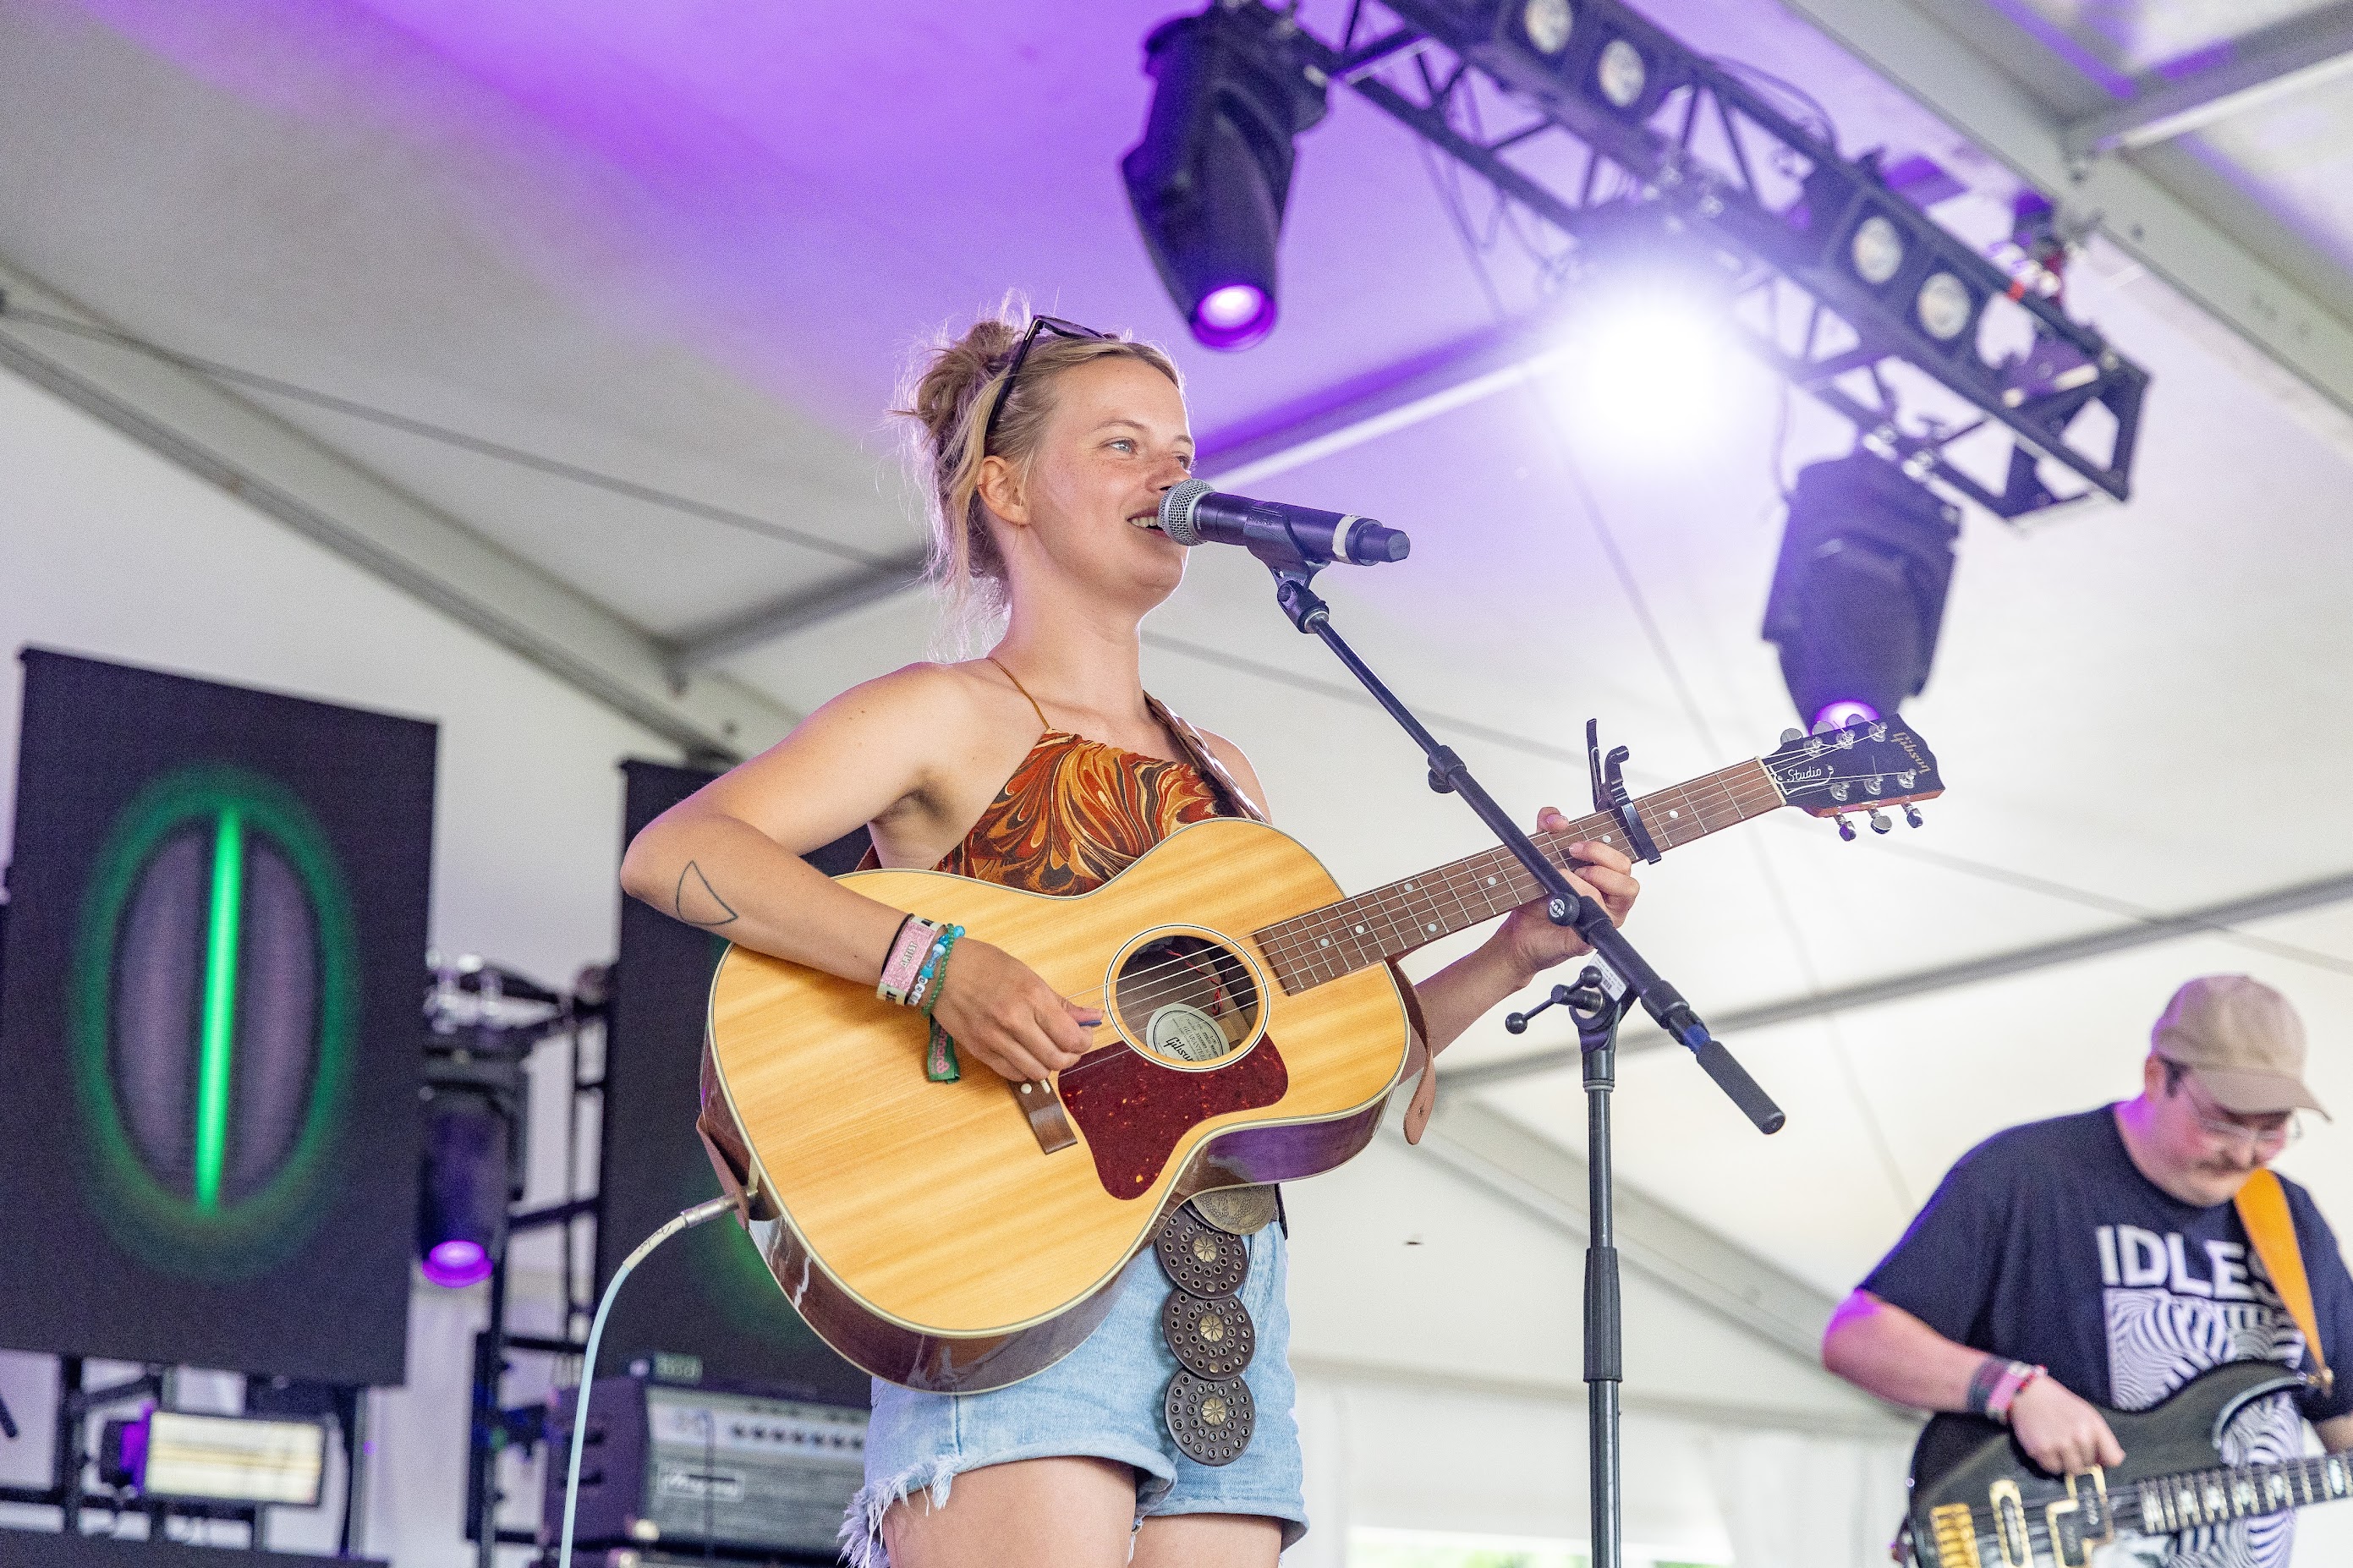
(2243, 1040)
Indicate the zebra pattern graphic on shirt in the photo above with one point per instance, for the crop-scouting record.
(2159, 1341)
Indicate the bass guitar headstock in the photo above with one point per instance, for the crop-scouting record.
(1867, 766)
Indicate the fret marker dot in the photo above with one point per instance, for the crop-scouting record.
(1430, 927)
(1673, 814)
(1490, 881)
(1408, 887)
(1325, 943)
(1360, 931)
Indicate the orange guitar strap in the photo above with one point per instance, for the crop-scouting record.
(2262, 1209)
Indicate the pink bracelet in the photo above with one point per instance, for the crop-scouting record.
(2016, 1378)
(906, 958)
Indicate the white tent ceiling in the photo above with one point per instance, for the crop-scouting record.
(690, 245)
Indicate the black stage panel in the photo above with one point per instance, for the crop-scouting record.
(29, 1549)
(209, 1025)
(705, 1294)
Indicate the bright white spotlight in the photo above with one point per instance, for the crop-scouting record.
(1647, 368)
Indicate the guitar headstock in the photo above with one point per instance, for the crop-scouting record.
(1865, 766)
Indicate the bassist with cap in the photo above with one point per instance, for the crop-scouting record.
(2105, 1258)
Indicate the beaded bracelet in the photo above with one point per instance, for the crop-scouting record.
(940, 1064)
(2016, 1379)
(906, 959)
(923, 992)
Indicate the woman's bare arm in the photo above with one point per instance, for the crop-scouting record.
(894, 752)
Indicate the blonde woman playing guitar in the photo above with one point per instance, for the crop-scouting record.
(1046, 449)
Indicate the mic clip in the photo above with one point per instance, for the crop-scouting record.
(1610, 794)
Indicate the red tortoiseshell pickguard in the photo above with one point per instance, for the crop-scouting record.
(1133, 1110)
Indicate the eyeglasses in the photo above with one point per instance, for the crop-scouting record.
(2219, 1124)
(1054, 324)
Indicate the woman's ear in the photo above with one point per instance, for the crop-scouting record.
(1000, 491)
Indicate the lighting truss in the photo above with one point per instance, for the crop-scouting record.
(1585, 114)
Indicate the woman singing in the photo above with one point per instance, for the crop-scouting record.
(1043, 765)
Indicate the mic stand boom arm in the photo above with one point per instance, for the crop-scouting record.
(1564, 903)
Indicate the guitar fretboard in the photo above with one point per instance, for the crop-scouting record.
(1388, 922)
(2186, 1502)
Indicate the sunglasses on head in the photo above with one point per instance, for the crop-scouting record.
(1054, 324)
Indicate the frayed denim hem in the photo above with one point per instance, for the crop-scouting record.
(861, 1526)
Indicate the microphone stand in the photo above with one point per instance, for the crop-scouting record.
(1603, 994)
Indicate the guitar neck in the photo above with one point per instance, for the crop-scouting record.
(2198, 1498)
(1388, 922)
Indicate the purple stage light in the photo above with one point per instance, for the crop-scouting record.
(454, 1264)
(1845, 712)
(1233, 316)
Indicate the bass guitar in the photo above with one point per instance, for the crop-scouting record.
(959, 1237)
(1977, 1501)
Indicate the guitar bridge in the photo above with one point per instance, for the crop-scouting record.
(1041, 1106)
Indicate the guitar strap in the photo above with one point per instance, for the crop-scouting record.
(2262, 1209)
(1419, 1059)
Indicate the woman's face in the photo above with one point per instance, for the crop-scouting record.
(1113, 442)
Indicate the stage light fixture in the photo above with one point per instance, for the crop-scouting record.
(1945, 307)
(1877, 250)
(1546, 24)
(174, 1456)
(462, 1221)
(1620, 73)
(1859, 592)
(1210, 179)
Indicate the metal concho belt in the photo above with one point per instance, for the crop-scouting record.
(1208, 1408)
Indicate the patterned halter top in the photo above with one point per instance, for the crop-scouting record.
(1076, 812)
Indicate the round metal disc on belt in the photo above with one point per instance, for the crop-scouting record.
(1238, 1211)
(1199, 1258)
(1211, 1338)
(1211, 1421)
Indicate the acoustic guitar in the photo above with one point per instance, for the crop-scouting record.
(1977, 1501)
(959, 1237)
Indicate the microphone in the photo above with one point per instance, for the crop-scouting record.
(1279, 534)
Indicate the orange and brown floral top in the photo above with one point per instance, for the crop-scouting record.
(1077, 813)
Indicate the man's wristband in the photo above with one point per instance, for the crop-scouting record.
(1995, 1385)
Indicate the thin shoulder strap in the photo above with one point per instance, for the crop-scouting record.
(2262, 1209)
(1021, 689)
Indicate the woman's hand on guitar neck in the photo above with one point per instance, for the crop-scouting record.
(1607, 876)
(1001, 1011)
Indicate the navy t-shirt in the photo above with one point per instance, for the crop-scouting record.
(2045, 1244)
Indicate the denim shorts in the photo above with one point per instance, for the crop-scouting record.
(1101, 1401)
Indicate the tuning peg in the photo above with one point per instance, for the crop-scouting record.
(1879, 823)
(1792, 737)
(1912, 816)
(1846, 828)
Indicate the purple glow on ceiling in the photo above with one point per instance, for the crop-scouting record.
(454, 1264)
(2030, 19)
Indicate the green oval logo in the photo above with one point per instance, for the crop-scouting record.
(213, 1001)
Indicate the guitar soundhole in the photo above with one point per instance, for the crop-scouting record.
(1185, 999)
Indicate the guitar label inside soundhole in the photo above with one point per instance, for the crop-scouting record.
(1186, 1000)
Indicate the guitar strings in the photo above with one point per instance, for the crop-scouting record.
(1287, 949)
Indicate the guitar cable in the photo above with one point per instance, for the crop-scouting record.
(686, 1219)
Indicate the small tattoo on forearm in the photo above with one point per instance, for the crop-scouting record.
(697, 902)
